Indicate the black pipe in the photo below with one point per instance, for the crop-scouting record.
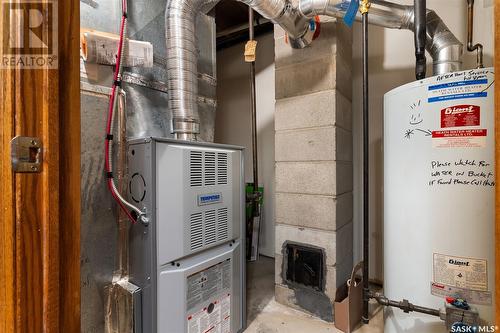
(404, 305)
(251, 32)
(366, 166)
(420, 31)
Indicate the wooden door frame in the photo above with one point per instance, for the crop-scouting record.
(40, 213)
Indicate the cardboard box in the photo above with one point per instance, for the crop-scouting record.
(349, 302)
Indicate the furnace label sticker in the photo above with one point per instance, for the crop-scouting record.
(215, 318)
(458, 90)
(460, 116)
(209, 300)
(465, 273)
(470, 138)
(472, 296)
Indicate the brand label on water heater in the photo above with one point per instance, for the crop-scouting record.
(466, 273)
(460, 116)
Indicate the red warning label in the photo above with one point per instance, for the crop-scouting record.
(459, 138)
(460, 116)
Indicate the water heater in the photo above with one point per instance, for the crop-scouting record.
(189, 259)
(439, 196)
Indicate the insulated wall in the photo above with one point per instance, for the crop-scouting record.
(146, 95)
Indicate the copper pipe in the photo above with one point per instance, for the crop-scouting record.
(471, 47)
(121, 175)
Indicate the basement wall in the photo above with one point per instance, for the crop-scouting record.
(233, 120)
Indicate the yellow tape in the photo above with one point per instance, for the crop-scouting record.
(250, 51)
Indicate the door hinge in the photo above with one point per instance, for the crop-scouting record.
(26, 154)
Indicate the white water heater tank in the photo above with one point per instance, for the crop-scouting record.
(439, 197)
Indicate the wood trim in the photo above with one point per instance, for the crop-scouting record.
(40, 213)
(69, 182)
(497, 158)
(7, 230)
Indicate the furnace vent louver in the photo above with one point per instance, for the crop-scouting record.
(196, 168)
(222, 224)
(210, 227)
(222, 168)
(196, 232)
(209, 168)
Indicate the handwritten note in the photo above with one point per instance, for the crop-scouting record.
(462, 172)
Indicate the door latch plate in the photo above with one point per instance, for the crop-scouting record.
(26, 154)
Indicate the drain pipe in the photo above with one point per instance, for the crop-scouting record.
(182, 57)
(364, 8)
(444, 47)
(405, 305)
(253, 96)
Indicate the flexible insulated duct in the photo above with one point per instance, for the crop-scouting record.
(181, 62)
(444, 47)
(182, 56)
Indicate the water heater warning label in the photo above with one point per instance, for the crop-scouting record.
(470, 138)
(465, 273)
(472, 296)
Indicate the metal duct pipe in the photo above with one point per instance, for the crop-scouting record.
(444, 47)
(181, 63)
(181, 60)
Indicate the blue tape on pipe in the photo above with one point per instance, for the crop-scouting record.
(350, 8)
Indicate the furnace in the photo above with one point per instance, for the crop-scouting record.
(188, 259)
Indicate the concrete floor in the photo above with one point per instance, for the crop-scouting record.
(265, 315)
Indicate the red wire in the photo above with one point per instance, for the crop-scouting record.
(110, 112)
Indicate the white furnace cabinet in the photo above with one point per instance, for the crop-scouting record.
(189, 259)
(439, 196)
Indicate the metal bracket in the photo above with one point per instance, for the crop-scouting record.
(26, 154)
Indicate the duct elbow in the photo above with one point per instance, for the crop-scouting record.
(311, 8)
(287, 16)
(446, 49)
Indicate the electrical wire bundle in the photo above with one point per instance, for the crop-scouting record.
(132, 212)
